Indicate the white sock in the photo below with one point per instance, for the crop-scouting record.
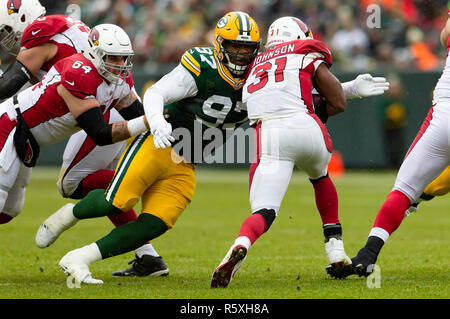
(146, 249)
(380, 233)
(244, 241)
(91, 253)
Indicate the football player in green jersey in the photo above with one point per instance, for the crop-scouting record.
(203, 91)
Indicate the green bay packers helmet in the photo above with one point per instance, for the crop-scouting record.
(238, 28)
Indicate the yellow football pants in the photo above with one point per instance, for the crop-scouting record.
(159, 177)
(440, 185)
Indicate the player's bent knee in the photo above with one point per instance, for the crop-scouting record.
(65, 189)
(268, 215)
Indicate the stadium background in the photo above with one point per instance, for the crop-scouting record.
(373, 132)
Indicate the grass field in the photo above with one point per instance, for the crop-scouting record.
(286, 263)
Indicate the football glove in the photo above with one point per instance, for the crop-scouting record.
(161, 131)
(365, 85)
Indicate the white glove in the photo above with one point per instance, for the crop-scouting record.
(161, 131)
(364, 86)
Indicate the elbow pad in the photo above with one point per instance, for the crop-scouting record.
(132, 111)
(93, 123)
(13, 79)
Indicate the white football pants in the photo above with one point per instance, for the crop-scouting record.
(283, 143)
(428, 155)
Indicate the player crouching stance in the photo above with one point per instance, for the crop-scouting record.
(278, 94)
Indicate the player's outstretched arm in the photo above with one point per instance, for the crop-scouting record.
(174, 86)
(88, 114)
(132, 110)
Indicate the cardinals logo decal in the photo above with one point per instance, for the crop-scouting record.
(94, 36)
(13, 6)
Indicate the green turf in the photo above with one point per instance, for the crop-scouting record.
(285, 263)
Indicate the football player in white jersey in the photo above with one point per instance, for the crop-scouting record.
(76, 93)
(427, 157)
(39, 41)
(290, 132)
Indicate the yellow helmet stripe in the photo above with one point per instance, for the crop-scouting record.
(244, 23)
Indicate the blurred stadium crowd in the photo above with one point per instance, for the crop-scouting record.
(407, 37)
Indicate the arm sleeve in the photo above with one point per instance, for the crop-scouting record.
(93, 123)
(13, 79)
(174, 86)
(132, 111)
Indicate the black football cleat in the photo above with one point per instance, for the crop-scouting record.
(147, 265)
(363, 263)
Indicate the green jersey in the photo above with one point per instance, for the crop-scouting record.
(216, 107)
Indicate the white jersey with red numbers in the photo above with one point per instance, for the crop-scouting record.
(67, 33)
(279, 81)
(46, 113)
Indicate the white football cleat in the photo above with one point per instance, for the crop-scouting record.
(225, 272)
(335, 251)
(53, 226)
(74, 264)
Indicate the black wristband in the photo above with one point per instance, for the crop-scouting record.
(132, 111)
(93, 123)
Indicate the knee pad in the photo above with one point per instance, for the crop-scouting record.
(268, 215)
(14, 204)
(64, 188)
(3, 198)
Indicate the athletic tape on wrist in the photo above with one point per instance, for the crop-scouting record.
(137, 126)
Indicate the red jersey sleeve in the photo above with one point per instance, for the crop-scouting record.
(316, 46)
(42, 29)
(79, 76)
